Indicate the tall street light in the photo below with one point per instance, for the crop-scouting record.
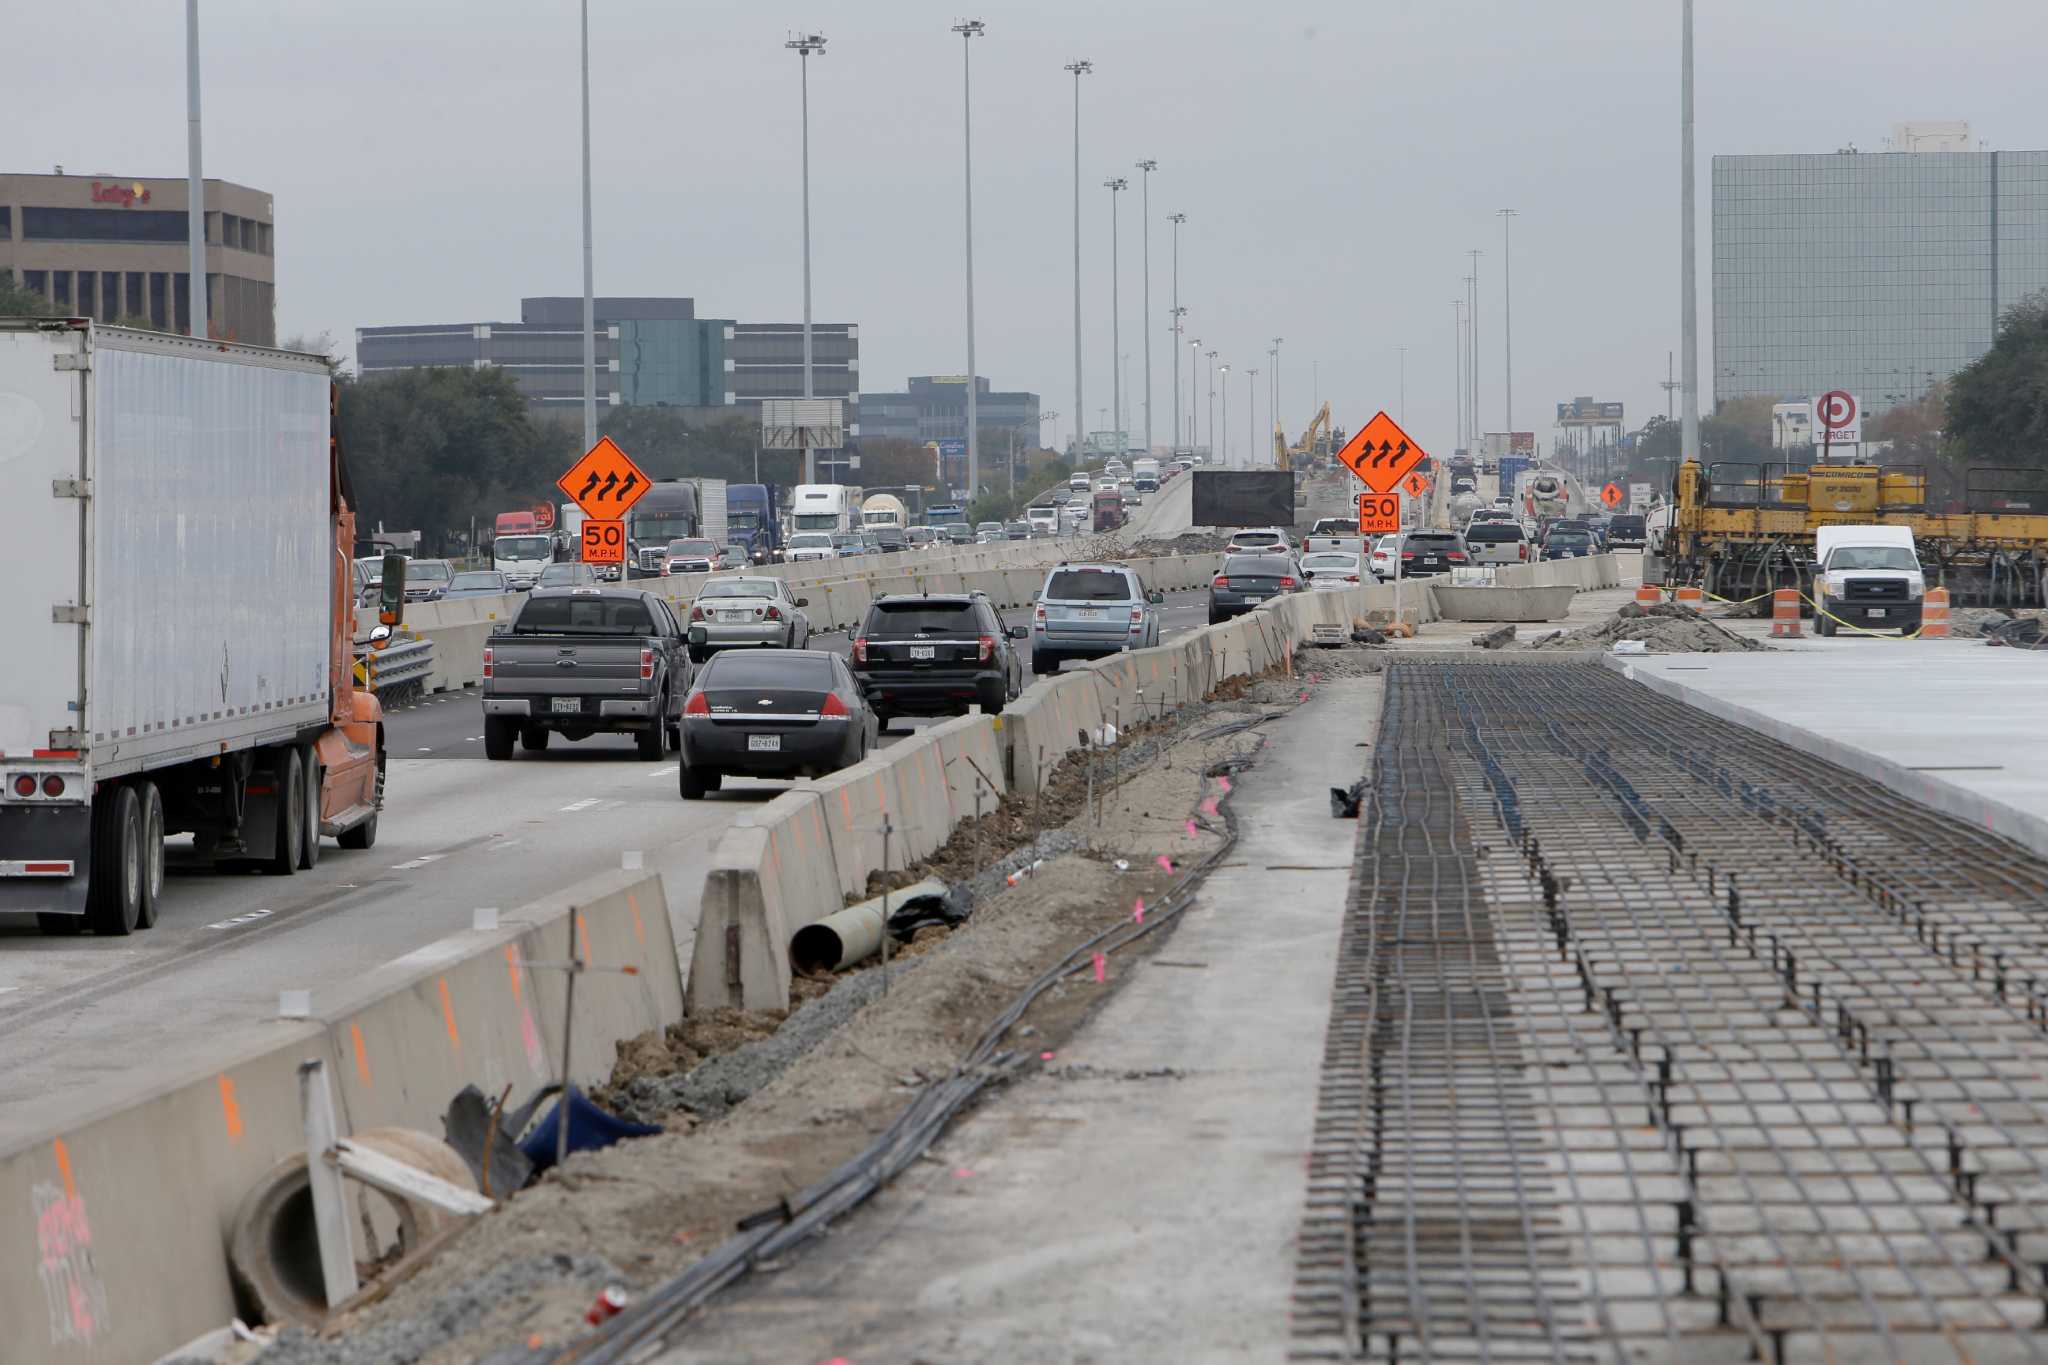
(804, 44)
(1224, 457)
(1689, 370)
(589, 275)
(1194, 392)
(1079, 68)
(1116, 185)
(1214, 444)
(1145, 207)
(1507, 321)
(1178, 313)
(195, 184)
(969, 30)
(1458, 365)
(1472, 329)
(1275, 353)
(1251, 418)
(1273, 391)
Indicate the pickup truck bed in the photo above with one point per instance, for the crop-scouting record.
(577, 661)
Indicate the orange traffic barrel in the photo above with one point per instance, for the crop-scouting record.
(1649, 595)
(1934, 615)
(1785, 614)
(1692, 597)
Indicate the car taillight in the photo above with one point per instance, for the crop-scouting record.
(646, 664)
(24, 785)
(1524, 548)
(988, 647)
(696, 613)
(1407, 554)
(775, 613)
(53, 785)
(1219, 581)
(833, 706)
(1287, 581)
(490, 662)
(697, 705)
(1351, 578)
(1456, 554)
(860, 650)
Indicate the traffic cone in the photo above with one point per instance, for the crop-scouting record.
(1785, 614)
(1692, 597)
(1649, 595)
(1934, 615)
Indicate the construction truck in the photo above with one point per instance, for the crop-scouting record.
(1740, 530)
(1316, 442)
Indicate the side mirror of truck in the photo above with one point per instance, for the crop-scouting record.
(391, 593)
(699, 636)
(1156, 597)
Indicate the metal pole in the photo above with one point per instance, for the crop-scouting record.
(1272, 395)
(1473, 373)
(1251, 418)
(1458, 352)
(1145, 207)
(1276, 379)
(969, 30)
(195, 184)
(1176, 219)
(589, 275)
(1194, 393)
(1226, 417)
(1507, 321)
(1689, 374)
(1212, 410)
(1403, 409)
(804, 44)
(1080, 69)
(1115, 185)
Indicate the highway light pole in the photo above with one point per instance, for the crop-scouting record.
(1472, 374)
(1402, 411)
(1194, 393)
(1251, 418)
(589, 275)
(1224, 458)
(1145, 208)
(1275, 353)
(1116, 185)
(1080, 68)
(804, 45)
(1689, 373)
(195, 180)
(1458, 364)
(1507, 320)
(969, 30)
(1212, 408)
(1178, 313)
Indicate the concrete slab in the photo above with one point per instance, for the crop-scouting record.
(1138, 1199)
(1952, 724)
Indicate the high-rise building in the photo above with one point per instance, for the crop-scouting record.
(1878, 273)
(650, 352)
(102, 247)
(933, 407)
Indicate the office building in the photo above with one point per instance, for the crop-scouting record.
(650, 352)
(934, 407)
(1878, 273)
(105, 247)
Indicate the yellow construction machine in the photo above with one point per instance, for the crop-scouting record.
(1315, 442)
(1741, 530)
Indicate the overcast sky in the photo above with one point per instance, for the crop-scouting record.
(1335, 159)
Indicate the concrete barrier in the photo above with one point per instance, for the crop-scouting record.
(117, 1209)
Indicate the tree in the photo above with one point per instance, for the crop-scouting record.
(18, 302)
(321, 344)
(1998, 404)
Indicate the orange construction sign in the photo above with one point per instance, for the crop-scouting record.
(1379, 513)
(1380, 454)
(605, 482)
(1417, 484)
(1612, 495)
(604, 542)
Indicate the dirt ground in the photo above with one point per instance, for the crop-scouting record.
(1664, 629)
(652, 1206)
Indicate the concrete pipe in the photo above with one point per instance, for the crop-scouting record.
(854, 934)
(274, 1250)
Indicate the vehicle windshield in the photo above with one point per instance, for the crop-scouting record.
(1257, 537)
(1494, 531)
(663, 526)
(560, 574)
(692, 547)
(583, 616)
(778, 668)
(428, 571)
(1872, 557)
(482, 579)
(522, 547)
(1625, 525)
(739, 587)
(1329, 561)
(1568, 538)
(1089, 585)
(918, 617)
(743, 519)
(810, 540)
(815, 521)
(1254, 566)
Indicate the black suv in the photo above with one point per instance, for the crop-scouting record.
(934, 654)
(1427, 552)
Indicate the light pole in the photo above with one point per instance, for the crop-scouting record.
(1178, 313)
(1145, 208)
(1403, 409)
(1194, 392)
(1212, 410)
(1116, 185)
(1507, 318)
(804, 44)
(1689, 373)
(195, 182)
(1251, 419)
(1458, 365)
(1272, 394)
(1079, 68)
(969, 30)
(1275, 353)
(589, 275)
(1472, 374)
(1224, 458)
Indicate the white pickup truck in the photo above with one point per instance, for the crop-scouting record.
(1867, 576)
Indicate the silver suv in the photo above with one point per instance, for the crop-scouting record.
(1086, 611)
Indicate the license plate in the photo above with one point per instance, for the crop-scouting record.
(924, 652)
(1089, 613)
(764, 744)
(1877, 611)
(732, 616)
(569, 705)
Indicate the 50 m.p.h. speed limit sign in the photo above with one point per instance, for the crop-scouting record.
(1379, 513)
(604, 542)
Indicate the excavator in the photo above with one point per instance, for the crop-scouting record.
(1316, 443)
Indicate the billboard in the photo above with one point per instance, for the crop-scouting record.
(1585, 412)
(1243, 497)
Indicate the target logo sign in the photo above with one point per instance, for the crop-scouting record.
(1837, 419)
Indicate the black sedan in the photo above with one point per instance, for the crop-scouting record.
(772, 713)
(1246, 580)
(1426, 552)
(934, 654)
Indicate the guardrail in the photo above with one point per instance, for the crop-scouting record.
(399, 670)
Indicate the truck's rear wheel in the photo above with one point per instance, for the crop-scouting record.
(653, 741)
(114, 901)
(152, 853)
(290, 822)
(499, 732)
(316, 778)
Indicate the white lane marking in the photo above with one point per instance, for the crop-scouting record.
(474, 739)
(500, 845)
(669, 771)
(418, 862)
(423, 749)
(585, 804)
(240, 919)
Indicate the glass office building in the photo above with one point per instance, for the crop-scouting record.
(1878, 273)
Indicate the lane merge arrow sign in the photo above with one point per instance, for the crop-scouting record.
(1381, 454)
(605, 482)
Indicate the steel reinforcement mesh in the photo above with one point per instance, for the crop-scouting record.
(1653, 1039)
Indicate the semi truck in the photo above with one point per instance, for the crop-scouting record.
(180, 620)
(824, 507)
(670, 510)
(753, 515)
(882, 510)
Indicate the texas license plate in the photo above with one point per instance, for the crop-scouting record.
(1090, 613)
(1877, 611)
(764, 744)
(924, 652)
(568, 705)
(732, 616)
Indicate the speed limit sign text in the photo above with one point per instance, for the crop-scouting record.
(1379, 513)
(604, 542)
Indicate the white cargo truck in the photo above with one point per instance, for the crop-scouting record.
(179, 619)
(713, 522)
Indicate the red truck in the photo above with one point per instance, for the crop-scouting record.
(1109, 511)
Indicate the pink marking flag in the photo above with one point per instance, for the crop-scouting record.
(1138, 911)
(1101, 969)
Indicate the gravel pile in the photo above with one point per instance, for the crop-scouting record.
(1666, 628)
(1982, 623)
(448, 1318)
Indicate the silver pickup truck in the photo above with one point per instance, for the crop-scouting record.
(576, 661)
